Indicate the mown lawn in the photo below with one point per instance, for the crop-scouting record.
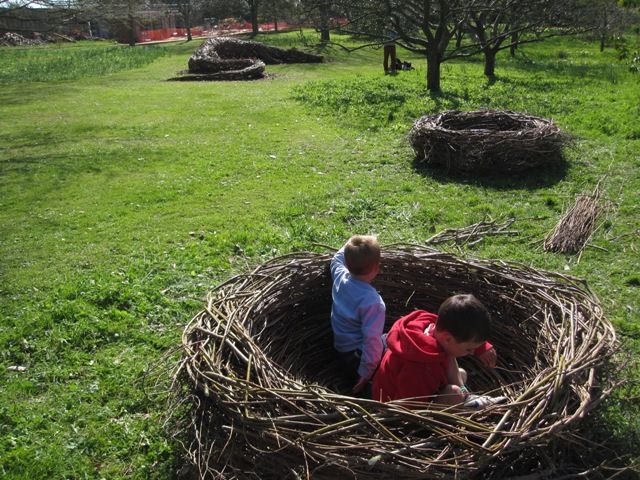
(125, 197)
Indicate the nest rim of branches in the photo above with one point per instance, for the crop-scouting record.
(263, 399)
(487, 140)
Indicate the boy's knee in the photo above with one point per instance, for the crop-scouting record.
(463, 375)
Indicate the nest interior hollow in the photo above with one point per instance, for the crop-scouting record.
(260, 364)
(487, 141)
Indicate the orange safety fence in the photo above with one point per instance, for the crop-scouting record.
(166, 33)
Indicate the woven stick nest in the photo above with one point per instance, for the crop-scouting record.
(576, 226)
(224, 58)
(264, 381)
(487, 141)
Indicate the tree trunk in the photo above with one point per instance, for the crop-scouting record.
(514, 44)
(187, 21)
(131, 24)
(459, 37)
(132, 31)
(489, 62)
(603, 31)
(433, 72)
(254, 18)
(324, 22)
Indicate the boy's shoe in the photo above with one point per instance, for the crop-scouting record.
(477, 402)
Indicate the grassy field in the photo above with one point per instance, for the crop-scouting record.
(125, 197)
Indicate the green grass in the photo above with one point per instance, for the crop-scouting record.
(125, 198)
(71, 61)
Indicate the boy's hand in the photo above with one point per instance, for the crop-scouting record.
(360, 385)
(489, 357)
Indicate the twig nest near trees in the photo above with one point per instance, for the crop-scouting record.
(224, 58)
(487, 141)
(263, 382)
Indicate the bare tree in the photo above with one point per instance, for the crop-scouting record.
(608, 17)
(421, 26)
(275, 10)
(254, 6)
(319, 13)
(123, 15)
(220, 9)
(502, 24)
(15, 13)
(188, 9)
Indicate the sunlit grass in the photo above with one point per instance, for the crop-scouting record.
(126, 197)
(52, 63)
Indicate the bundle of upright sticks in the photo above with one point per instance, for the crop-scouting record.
(576, 226)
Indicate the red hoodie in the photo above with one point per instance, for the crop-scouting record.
(413, 365)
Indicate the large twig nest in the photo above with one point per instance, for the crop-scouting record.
(488, 141)
(224, 58)
(263, 379)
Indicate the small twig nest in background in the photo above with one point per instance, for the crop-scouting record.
(263, 383)
(487, 141)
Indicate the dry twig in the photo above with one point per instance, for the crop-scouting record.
(473, 234)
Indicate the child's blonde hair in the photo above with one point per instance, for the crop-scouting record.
(362, 254)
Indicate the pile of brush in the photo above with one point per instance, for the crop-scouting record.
(486, 141)
(576, 226)
(264, 388)
(224, 58)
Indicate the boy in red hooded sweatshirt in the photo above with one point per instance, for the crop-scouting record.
(420, 360)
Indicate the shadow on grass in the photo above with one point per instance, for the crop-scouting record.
(12, 93)
(447, 101)
(58, 166)
(540, 177)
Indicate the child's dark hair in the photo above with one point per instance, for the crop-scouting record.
(464, 317)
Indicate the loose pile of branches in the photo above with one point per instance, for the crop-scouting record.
(487, 141)
(574, 229)
(473, 234)
(224, 58)
(264, 387)
(10, 39)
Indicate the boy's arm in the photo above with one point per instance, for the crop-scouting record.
(482, 348)
(372, 327)
(487, 354)
(337, 262)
